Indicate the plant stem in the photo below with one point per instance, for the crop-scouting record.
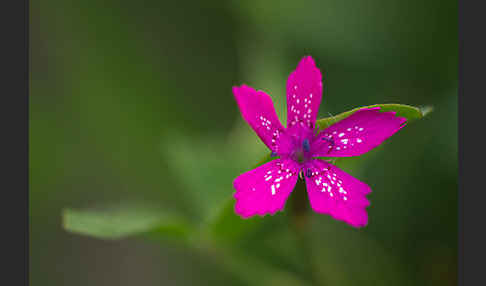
(300, 223)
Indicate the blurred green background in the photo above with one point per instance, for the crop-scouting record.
(131, 102)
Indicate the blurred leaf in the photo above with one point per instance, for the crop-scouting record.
(224, 224)
(204, 167)
(410, 112)
(126, 221)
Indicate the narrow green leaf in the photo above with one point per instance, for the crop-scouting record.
(410, 112)
(126, 221)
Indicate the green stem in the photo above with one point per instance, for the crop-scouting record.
(300, 223)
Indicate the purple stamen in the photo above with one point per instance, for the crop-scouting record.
(306, 145)
(308, 173)
(329, 140)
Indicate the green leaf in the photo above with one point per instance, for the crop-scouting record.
(125, 221)
(410, 112)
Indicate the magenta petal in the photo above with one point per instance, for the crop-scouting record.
(304, 94)
(264, 190)
(257, 109)
(334, 192)
(357, 134)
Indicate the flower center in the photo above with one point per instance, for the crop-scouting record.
(302, 153)
(299, 156)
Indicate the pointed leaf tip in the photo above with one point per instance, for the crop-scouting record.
(426, 109)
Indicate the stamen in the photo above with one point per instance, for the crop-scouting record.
(308, 173)
(306, 145)
(329, 140)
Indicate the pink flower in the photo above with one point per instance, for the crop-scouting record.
(265, 189)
